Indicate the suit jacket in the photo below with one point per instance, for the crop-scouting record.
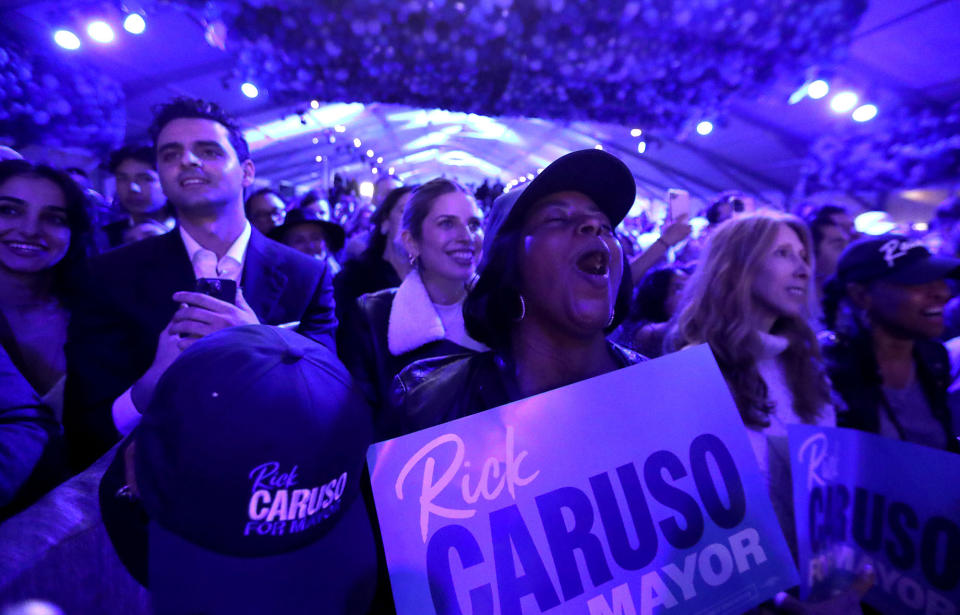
(127, 301)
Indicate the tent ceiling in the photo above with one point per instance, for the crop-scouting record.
(904, 51)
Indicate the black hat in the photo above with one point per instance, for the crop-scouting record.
(893, 258)
(599, 175)
(334, 234)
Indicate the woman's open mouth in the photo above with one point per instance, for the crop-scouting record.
(594, 262)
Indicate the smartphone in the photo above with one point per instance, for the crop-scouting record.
(679, 203)
(218, 288)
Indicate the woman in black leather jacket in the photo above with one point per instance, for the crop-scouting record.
(885, 306)
(423, 317)
(552, 285)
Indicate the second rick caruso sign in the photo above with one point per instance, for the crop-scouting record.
(630, 493)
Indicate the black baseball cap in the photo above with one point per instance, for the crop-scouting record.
(601, 176)
(893, 258)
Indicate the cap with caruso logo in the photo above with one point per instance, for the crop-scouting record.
(248, 462)
(893, 258)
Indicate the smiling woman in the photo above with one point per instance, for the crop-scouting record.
(748, 299)
(442, 232)
(43, 225)
(884, 358)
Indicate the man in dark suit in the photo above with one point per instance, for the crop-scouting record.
(138, 310)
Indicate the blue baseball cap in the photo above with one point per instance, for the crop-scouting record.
(248, 464)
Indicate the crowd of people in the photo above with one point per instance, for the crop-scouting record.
(439, 302)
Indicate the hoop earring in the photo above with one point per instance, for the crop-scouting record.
(523, 309)
(412, 259)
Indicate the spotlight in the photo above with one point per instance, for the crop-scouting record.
(864, 113)
(366, 189)
(818, 89)
(530, 176)
(704, 128)
(374, 170)
(100, 31)
(66, 39)
(319, 158)
(356, 142)
(390, 171)
(636, 132)
(134, 23)
(641, 147)
(379, 159)
(369, 153)
(598, 146)
(331, 139)
(316, 140)
(844, 102)
(340, 128)
(314, 104)
(249, 90)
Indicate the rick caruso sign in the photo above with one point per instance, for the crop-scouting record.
(862, 499)
(631, 493)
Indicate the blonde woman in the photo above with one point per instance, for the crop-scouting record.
(749, 299)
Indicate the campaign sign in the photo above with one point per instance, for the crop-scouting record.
(631, 493)
(862, 499)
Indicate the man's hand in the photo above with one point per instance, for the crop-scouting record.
(200, 315)
(168, 349)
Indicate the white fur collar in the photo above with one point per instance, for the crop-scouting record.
(413, 320)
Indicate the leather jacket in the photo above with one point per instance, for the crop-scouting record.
(853, 370)
(365, 351)
(434, 391)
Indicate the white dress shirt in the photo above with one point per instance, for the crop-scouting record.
(205, 265)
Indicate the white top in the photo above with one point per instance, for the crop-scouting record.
(205, 262)
(452, 318)
(770, 444)
(205, 265)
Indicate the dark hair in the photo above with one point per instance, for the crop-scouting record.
(141, 153)
(419, 205)
(819, 218)
(76, 171)
(734, 198)
(312, 196)
(649, 305)
(78, 220)
(261, 192)
(378, 241)
(184, 107)
(493, 305)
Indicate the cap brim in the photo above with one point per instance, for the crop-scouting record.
(336, 574)
(599, 175)
(926, 270)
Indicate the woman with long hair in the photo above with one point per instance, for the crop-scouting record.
(749, 300)
(442, 231)
(43, 245)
